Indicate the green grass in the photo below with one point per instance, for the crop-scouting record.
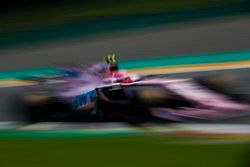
(146, 151)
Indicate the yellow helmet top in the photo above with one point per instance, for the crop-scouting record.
(110, 58)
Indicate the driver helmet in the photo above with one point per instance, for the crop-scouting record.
(111, 61)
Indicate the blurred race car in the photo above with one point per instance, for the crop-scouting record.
(133, 100)
(103, 92)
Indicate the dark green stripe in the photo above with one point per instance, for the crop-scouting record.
(62, 134)
(29, 73)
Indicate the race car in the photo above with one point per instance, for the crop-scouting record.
(103, 92)
(140, 100)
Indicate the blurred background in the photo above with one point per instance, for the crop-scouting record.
(37, 34)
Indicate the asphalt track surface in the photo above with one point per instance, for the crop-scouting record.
(214, 36)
